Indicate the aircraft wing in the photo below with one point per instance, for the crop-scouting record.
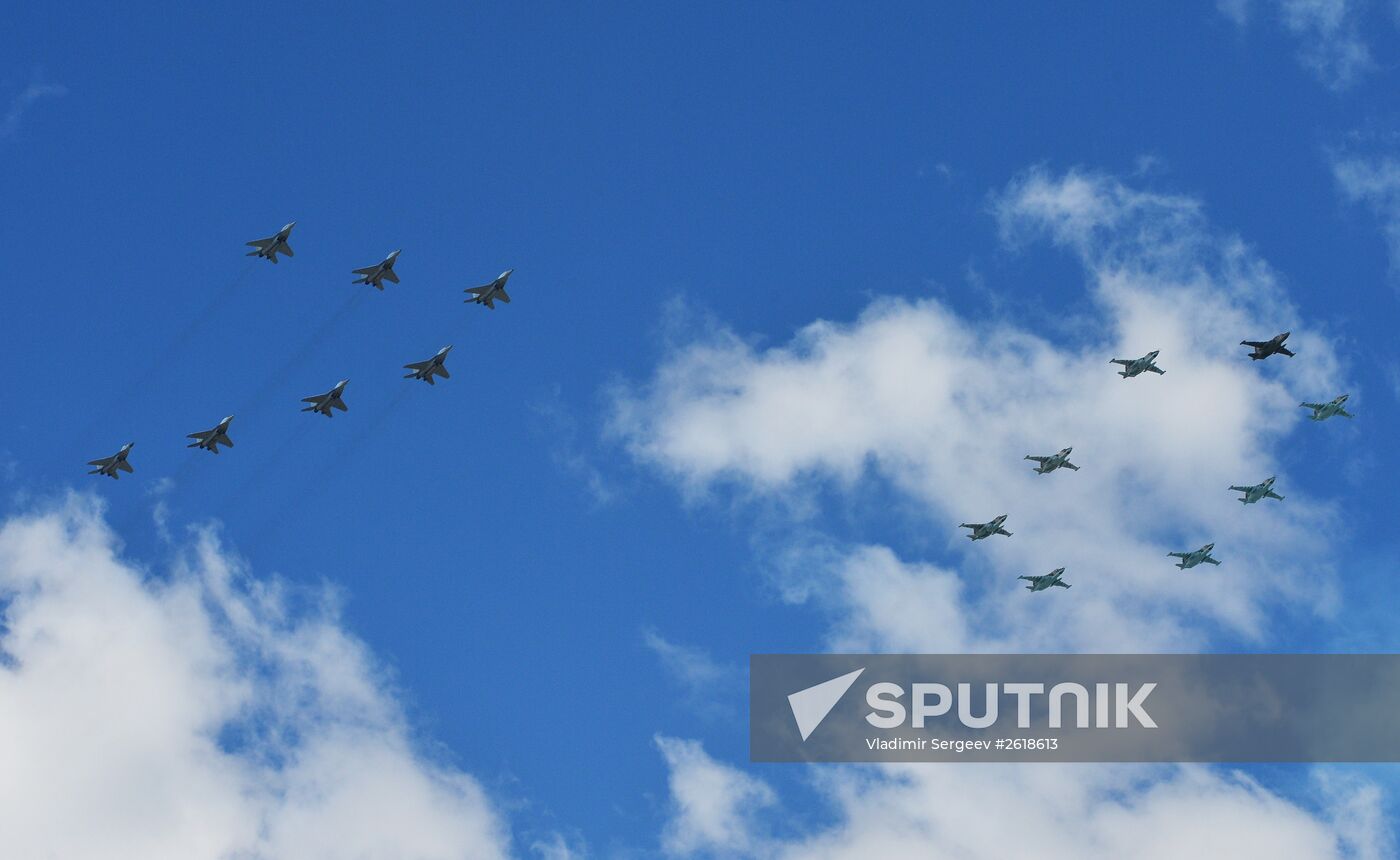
(1037, 459)
(417, 365)
(262, 244)
(1242, 489)
(370, 270)
(441, 370)
(476, 291)
(340, 404)
(1155, 369)
(503, 296)
(1283, 350)
(1060, 584)
(1209, 560)
(103, 463)
(1312, 405)
(125, 466)
(1178, 554)
(317, 399)
(1257, 344)
(390, 276)
(1123, 361)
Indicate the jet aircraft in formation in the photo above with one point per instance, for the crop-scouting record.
(986, 530)
(210, 440)
(1258, 491)
(1323, 411)
(109, 466)
(1053, 462)
(273, 245)
(1265, 348)
(1134, 366)
(1044, 581)
(1191, 559)
(489, 294)
(426, 370)
(377, 274)
(324, 403)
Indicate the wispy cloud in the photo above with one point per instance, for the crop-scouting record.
(1329, 35)
(1375, 183)
(23, 101)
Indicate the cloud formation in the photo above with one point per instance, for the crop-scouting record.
(23, 101)
(941, 408)
(1375, 183)
(1329, 35)
(201, 714)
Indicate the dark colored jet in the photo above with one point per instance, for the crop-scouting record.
(324, 403)
(1265, 348)
(426, 370)
(210, 440)
(986, 530)
(109, 466)
(273, 245)
(1040, 583)
(378, 273)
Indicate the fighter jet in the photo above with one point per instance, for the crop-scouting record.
(425, 370)
(1040, 583)
(210, 440)
(490, 293)
(270, 247)
(1053, 462)
(1265, 348)
(986, 530)
(1191, 559)
(1134, 366)
(109, 466)
(376, 274)
(323, 403)
(1323, 411)
(1258, 491)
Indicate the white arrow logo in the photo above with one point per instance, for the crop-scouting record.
(810, 706)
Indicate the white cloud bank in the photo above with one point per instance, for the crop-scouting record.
(197, 716)
(945, 408)
(942, 408)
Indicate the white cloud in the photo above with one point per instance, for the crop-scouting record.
(945, 408)
(1375, 183)
(714, 805)
(200, 715)
(1328, 32)
(695, 669)
(989, 812)
(942, 408)
(23, 101)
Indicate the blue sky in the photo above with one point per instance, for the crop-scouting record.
(652, 174)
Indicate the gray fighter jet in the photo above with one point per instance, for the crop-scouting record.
(1258, 491)
(210, 440)
(1265, 348)
(324, 403)
(491, 293)
(425, 370)
(1134, 366)
(1040, 583)
(986, 530)
(273, 245)
(1053, 462)
(109, 466)
(1191, 559)
(376, 275)
(1323, 411)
